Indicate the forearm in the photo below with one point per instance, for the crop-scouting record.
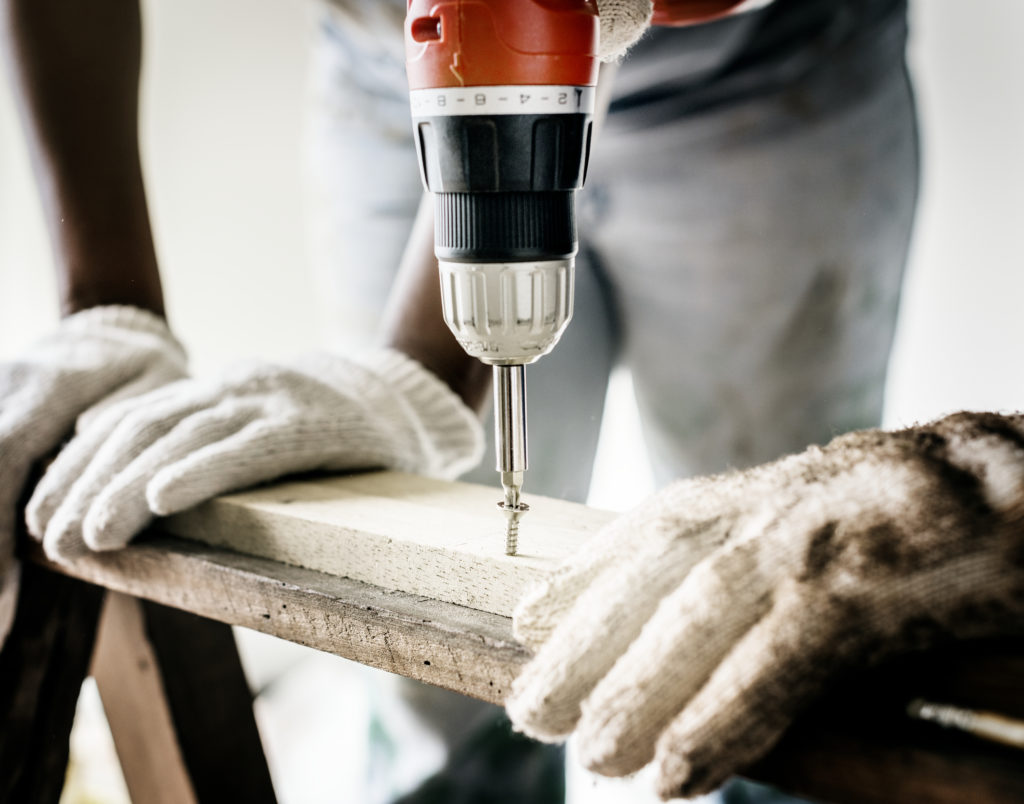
(413, 322)
(75, 68)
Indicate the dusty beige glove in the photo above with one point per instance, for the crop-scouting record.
(170, 450)
(623, 22)
(694, 629)
(94, 359)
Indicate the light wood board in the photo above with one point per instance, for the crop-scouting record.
(461, 649)
(397, 531)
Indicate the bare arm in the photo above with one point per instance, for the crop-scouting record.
(413, 322)
(75, 67)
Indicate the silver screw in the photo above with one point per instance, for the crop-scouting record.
(512, 516)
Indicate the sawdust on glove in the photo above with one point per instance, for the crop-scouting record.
(623, 22)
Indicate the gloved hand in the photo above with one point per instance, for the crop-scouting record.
(180, 445)
(94, 359)
(694, 629)
(623, 22)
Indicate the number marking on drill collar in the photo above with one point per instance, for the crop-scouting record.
(448, 101)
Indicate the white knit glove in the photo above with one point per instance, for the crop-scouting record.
(694, 629)
(93, 360)
(623, 22)
(183, 444)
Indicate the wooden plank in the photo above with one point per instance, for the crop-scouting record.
(458, 648)
(396, 531)
(131, 687)
(42, 665)
(857, 746)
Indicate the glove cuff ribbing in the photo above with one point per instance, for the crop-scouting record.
(121, 317)
(451, 433)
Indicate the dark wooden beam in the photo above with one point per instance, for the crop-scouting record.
(858, 746)
(42, 666)
(210, 706)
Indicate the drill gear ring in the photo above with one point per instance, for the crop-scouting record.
(509, 99)
(504, 181)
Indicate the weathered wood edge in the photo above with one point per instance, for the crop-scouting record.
(461, 649)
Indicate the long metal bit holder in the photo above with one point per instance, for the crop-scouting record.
(510, 446)
(502, 95)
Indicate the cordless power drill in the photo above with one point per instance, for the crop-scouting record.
(502, 95)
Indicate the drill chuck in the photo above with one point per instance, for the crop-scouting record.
(507, 313)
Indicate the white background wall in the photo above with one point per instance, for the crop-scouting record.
(224, 89)
(962, 324)
(224, 84)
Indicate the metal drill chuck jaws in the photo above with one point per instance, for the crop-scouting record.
(507, 313)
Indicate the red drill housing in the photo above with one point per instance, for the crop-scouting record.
(455, 43)
(675, 13)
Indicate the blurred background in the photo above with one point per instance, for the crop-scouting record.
(225, 86)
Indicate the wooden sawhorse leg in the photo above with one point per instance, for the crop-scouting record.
(42, 665)
(171, 683)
